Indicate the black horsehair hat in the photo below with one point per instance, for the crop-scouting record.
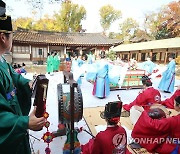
(112, 109)
(172, 55)
(5, 21)
(177, 99)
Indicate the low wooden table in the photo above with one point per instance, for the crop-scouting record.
(131, 80)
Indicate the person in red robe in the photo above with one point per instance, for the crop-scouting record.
(169, 102)
(114, 138)
(156, 133)
(146, 97)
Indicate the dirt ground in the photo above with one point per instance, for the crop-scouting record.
(38, 69)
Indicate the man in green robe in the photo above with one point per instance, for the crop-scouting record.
(15, 99)
(56, 62)
(50, 63)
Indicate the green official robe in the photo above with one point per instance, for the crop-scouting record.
(14, 138)
(56, 63)
(50, 60)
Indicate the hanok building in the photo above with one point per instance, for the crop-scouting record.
(32, 46)
(158, 50)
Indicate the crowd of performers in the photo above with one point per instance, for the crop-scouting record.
(53, 62)
(153, 129)
(104, 73)
(20, 68)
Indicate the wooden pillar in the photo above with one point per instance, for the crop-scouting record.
(150, 54)
(139, 56)
(128, 56)
(80, 51)
(160, 56)
(48, 49)
(165, 59)
(65, 50)
(30, 51)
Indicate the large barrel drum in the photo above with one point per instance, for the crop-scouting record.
(63, 91)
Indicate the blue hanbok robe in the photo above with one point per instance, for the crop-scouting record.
(91, 72)
(76, 72)
(101, 86)
(148, 66)
(168, 78)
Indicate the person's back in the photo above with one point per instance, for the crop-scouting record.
(112, 140)
(155, 133)
(147, 97)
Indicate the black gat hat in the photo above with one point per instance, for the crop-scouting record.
(112, 109)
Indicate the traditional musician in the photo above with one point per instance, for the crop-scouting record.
(147, 97)
(169, 102)
(113, 139)
(157, 133)
(15, 98)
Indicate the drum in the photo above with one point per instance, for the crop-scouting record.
(63, 91)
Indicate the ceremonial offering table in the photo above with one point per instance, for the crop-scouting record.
(131, 80)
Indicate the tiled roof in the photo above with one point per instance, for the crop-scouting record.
(61, 38)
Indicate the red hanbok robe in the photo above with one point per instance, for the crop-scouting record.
(145, 99)
(155, 135)
(112, 140)
(169, 102)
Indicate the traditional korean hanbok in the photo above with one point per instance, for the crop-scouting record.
(77, 71)
(114, 138)
(49, 68)
(56, 63)
(145, 99)
(148, 66)
(15, 104)
(91, 72)
(169, 102)
(101, 87)
(158, 135)
(168, 78)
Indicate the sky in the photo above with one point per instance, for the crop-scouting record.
(129, 8)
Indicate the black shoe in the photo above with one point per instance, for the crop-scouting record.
(166, 91)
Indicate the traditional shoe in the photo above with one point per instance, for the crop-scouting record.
(166, 91)
(125, 114)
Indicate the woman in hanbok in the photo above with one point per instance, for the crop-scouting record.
(168, 77)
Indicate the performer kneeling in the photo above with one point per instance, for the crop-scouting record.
(147, 97)
(114, 138)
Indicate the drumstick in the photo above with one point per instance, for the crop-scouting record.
(82, 129)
